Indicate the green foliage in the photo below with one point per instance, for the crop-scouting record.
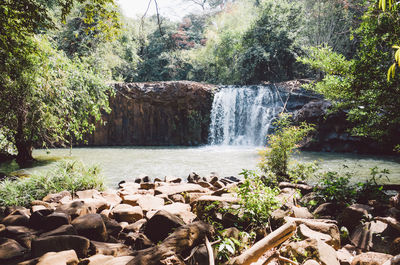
(378, 116)
(336, 83)
(47, 97)
(249, 43)
(68, 175)
(80, 36)
(371, 189)
(333, 187)
(228, 247)
(360, 86)
(282, 143)
(258, 201)
(53, 99)
(328, 22)
(268, 46)
(338, 187)
(302, 171)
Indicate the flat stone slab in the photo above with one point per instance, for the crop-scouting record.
(179, 188)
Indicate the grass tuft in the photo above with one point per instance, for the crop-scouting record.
(68, 175)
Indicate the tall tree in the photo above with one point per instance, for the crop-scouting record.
(40, 102)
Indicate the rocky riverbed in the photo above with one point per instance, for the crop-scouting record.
(163, 222)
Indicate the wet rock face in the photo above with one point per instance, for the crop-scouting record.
(159, 113)
(332, 130)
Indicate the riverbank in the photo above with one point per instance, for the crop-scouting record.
(171, 222)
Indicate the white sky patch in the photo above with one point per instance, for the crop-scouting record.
(173, 9)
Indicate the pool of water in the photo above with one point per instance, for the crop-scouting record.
(127, 163)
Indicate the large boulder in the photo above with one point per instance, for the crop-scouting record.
(305, 232)
(63, 196)
(91, 226)
(127, 213)
(54, 220)
(181, 210)
(16, 218)
(10, 250)
(21, 234)
(371, 258)
(112, 226)
(38, 218)
(75, 208)
(311, 248)
(146, 202)
(42, 245)
(62, 230)
(161, 225)
(112, 249)
(55, 258)
(351, 216)
(318, 225)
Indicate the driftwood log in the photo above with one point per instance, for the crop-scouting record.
(182, 240)
(270, 241)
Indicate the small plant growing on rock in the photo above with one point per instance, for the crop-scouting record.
(227, 248)
(258, 201)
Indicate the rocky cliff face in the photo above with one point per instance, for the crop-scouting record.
(332, 131)
(159, 113)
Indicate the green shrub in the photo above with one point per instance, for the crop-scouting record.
(370, 189)
(68, 175)
(333, 187)
(275, 158)
(258, 201)
(337, 187)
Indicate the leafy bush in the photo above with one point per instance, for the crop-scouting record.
(337, 187)
(302, 171)
(258, 200)
(68, 175)
(333, 187)
(282, 144)
(371, 190)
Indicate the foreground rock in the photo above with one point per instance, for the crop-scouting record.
(158, 223)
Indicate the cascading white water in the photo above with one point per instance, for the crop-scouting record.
(243, 115)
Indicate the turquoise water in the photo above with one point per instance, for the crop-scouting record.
(127, 163)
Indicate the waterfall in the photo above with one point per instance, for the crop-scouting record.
(243, 115)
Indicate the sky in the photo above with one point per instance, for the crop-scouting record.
(173, 9)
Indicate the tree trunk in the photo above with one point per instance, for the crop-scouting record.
(24, 146)
(24, 152)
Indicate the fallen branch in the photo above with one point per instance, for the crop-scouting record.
(272, 240)
(270, 258)
(306, 221)
(210, 252)
(287, 260)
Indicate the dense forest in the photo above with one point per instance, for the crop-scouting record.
(57, 58)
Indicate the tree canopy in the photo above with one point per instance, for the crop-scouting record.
(46, 96)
